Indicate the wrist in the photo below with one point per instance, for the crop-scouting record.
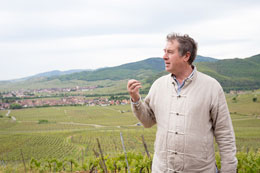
(135, 101)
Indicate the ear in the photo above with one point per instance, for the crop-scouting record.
(186, 57)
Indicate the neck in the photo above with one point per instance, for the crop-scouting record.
(184, 73)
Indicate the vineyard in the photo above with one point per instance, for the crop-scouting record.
(65, 138)
(137, 162)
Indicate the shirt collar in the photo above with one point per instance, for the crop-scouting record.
(189, 77)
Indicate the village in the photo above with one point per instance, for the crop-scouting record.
(27, 93)
(55, 97)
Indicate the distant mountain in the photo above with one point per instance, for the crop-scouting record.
(205, 59)
(231, 73)
(235, 73)
(139, 70)
(58, 73)
(50, 74)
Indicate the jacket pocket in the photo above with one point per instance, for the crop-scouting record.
(197, 147)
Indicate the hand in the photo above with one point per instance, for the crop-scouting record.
(133, 87)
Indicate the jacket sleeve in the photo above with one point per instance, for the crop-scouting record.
(143, 111)
(224, 133)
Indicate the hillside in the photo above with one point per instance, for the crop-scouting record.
(138, 70)
(238, 74)
(234, 74)
(47, 74)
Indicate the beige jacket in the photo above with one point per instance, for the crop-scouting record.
(187, 124)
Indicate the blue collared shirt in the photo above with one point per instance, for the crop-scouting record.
(182, 84)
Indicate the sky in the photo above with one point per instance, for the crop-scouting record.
(43, 35)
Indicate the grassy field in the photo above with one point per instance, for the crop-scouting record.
(245, 114)
(72, 131)
(108, 86)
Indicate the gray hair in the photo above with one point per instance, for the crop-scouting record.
(186, 44)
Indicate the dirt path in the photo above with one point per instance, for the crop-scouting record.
(7, 114)
(13, 118)
(112, 109)
(82, 124)
(244, 119)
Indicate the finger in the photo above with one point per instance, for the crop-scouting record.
(136, 89)
(135, 85)
(132, 82)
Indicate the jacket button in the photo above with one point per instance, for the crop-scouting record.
(176, 153)
(177, 113)
(176, 132)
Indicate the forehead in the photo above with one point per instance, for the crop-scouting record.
(174, 44)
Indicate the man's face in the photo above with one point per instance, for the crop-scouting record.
(173, 61)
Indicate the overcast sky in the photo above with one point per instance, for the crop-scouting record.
(44, 35)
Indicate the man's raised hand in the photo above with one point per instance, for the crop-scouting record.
(133, 87)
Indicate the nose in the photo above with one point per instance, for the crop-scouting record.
(165, 56)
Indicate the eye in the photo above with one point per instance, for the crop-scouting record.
(168, 51)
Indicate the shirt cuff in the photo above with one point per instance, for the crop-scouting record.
(135, 103)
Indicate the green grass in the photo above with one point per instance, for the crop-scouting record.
(244, 103)
(37, 146)
(247, 132)
(79, 114)
(72, 130)
(109, 86)
(68, 126)
(3, 112)
(29, 127)
(245, 116)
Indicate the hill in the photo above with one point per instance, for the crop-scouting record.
(47, 74)
(138, 70)
(233, 74)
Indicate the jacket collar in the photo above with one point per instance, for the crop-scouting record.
(191, 77)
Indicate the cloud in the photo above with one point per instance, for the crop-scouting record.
(88, 52)
(231, 36)
(61, 18)
(44, 35)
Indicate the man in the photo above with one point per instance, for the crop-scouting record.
(189, 109)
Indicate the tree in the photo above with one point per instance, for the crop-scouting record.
(15, 106)
(234, 99)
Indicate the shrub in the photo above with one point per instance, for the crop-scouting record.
(43, 122)
(15, 106)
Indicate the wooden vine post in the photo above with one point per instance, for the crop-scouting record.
(122, 140)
